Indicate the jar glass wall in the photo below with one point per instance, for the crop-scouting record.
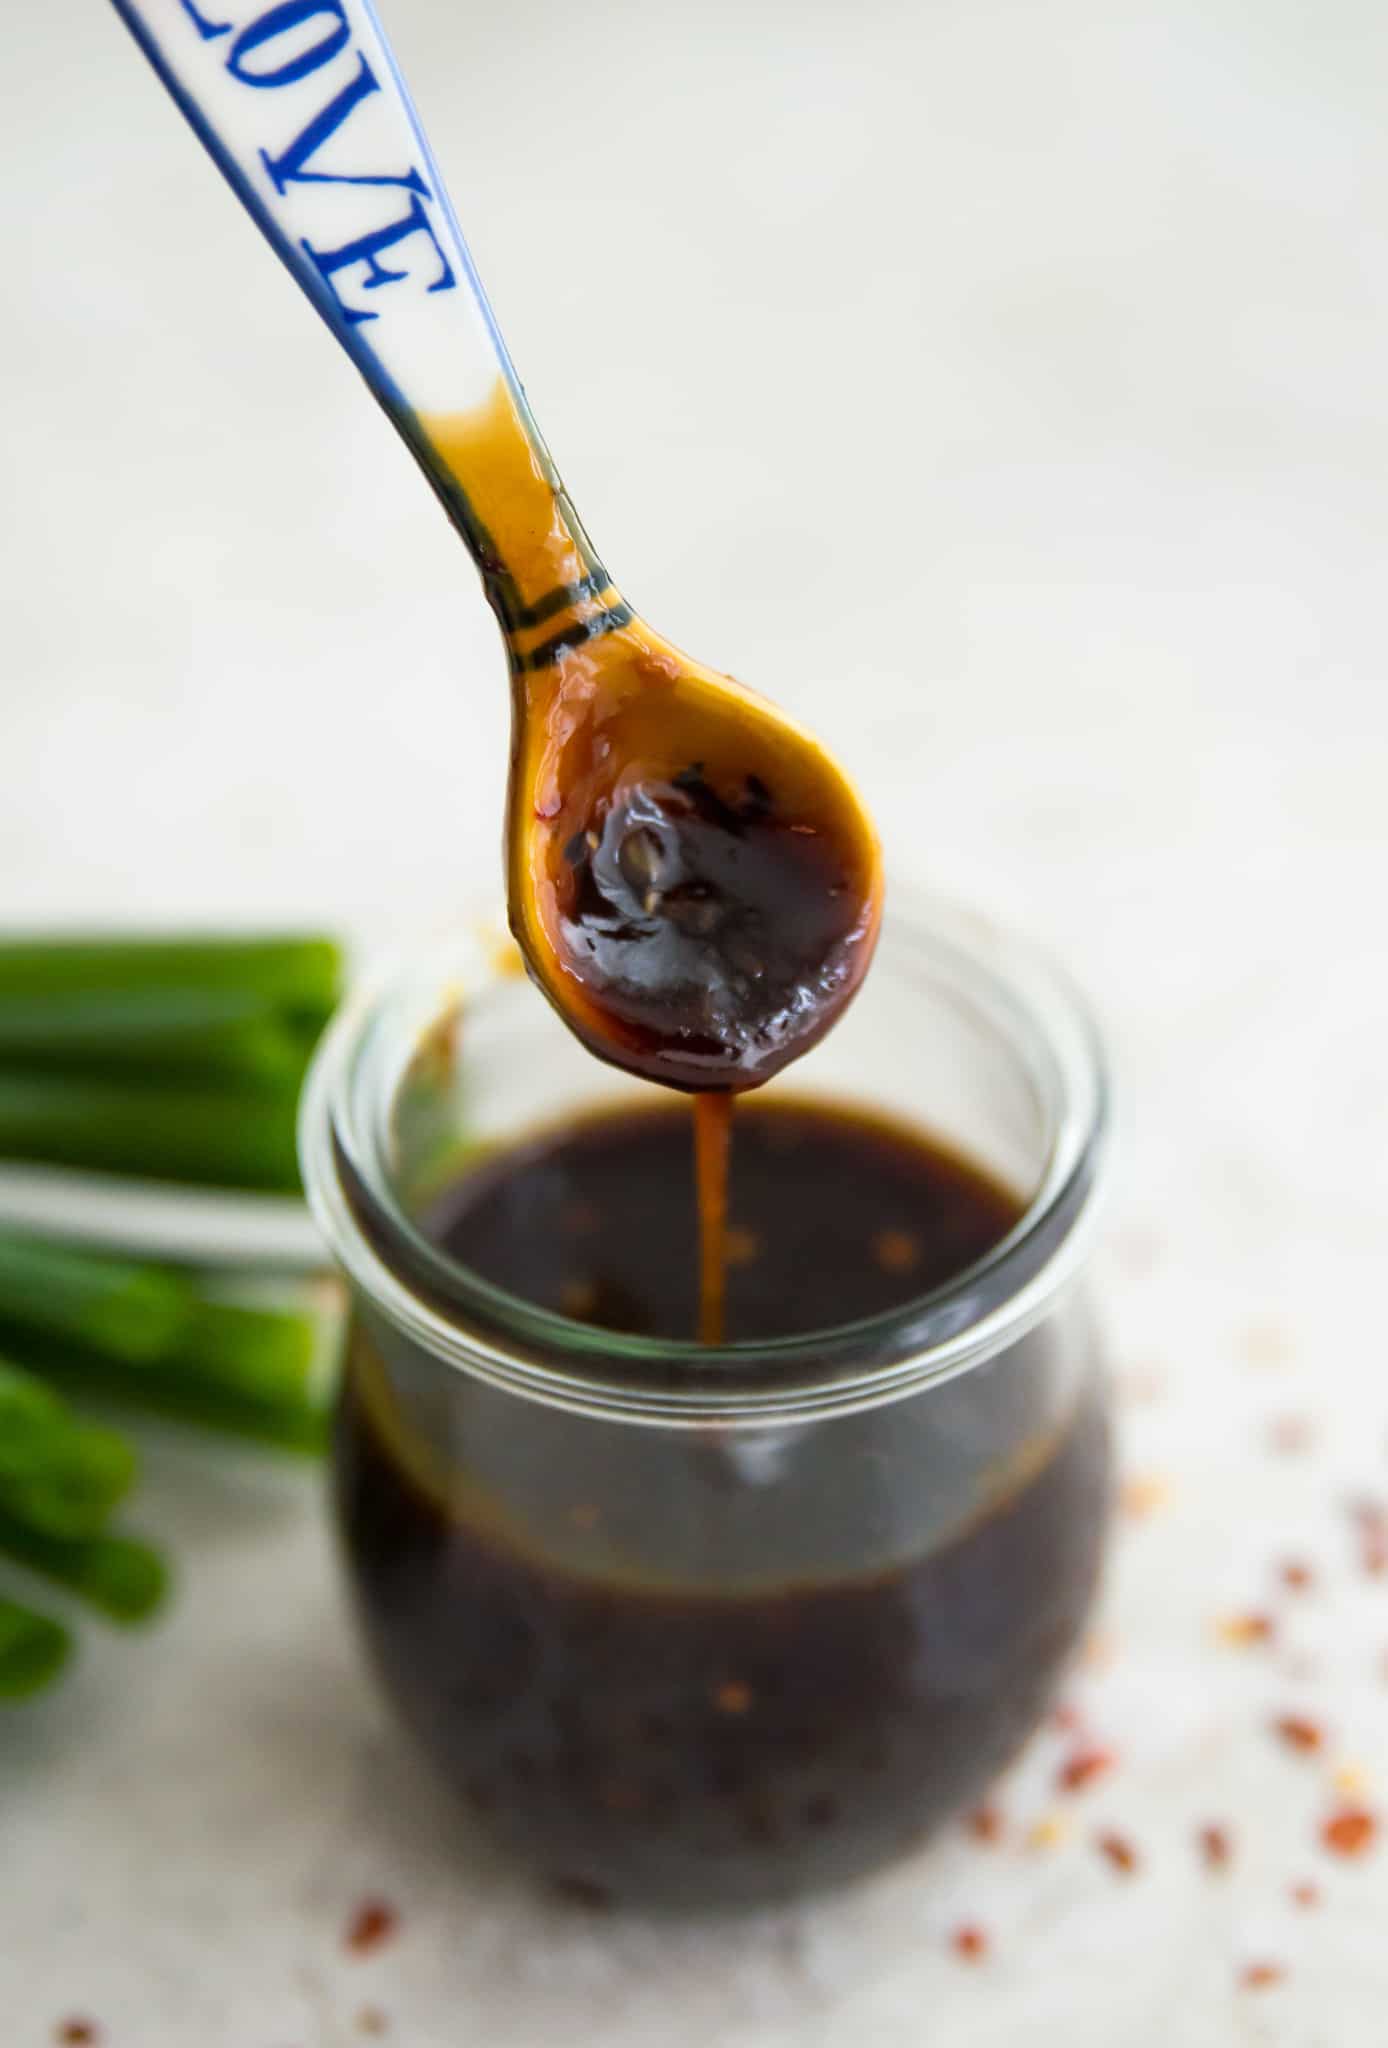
(705, 1626)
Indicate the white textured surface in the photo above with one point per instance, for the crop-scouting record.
(1023, 369)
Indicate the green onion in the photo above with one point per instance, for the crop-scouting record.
(167, 1059)
(265, 1354)
(216, 1033)
(33, 1649)
(217, 1137)
(277, 1398)
(57, 1472)
(124, 1578)
(291, 972)
(132, 1310)
(301, 1426)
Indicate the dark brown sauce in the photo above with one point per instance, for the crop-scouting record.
(832, 1216)
(666, 1736)
(715, 929)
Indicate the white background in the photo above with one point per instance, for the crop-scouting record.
(1005, 389)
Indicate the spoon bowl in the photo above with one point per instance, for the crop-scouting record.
(693, 881)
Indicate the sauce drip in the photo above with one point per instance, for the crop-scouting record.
(712, 1140)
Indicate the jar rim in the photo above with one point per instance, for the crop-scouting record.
(345, 1130)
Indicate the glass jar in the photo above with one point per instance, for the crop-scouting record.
(706, 1626)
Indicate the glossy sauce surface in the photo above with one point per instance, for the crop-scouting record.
(657, 1733)
(832, 1216)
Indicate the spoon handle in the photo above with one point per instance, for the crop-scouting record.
(303, 109)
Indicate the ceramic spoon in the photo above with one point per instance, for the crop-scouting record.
(692, 881)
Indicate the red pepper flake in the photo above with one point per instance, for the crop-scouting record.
(1048, 1832)
(985, 1824)
(1298, 1731)
(1370, 1518)
(733, 1696)
(1142, 1494)
(1349, 1831)
(1068, 1718)
(1261, 1976)
(1242, 1631)
(1216, 1847)
(1291, 1435)
(371, 1927)
(1083, 1768)
(1119, 1851)
(77, 2033)
(1305, 1894)
(970, 1943)
(1296, 1576)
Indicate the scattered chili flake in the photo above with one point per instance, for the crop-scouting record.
(985, 1824)
(1371, 1519)
(1305, 1894)
(1143, 1494)
(1242, 1631)
(896, 1251)
(1049, 1831)
(1349, 1831)
(1296, 1576)
(733, 1696)
(1083, 1768)
(1261, 1976)
(1119, 1851)
(970, 1942)
(1216, 1846)
(1298, 1731)
(1290, 1435)
(1349, 1780)
(371, 1926)
(77, 2033)
(1067, 1717)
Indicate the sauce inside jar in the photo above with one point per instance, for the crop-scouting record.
(728, 1720)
